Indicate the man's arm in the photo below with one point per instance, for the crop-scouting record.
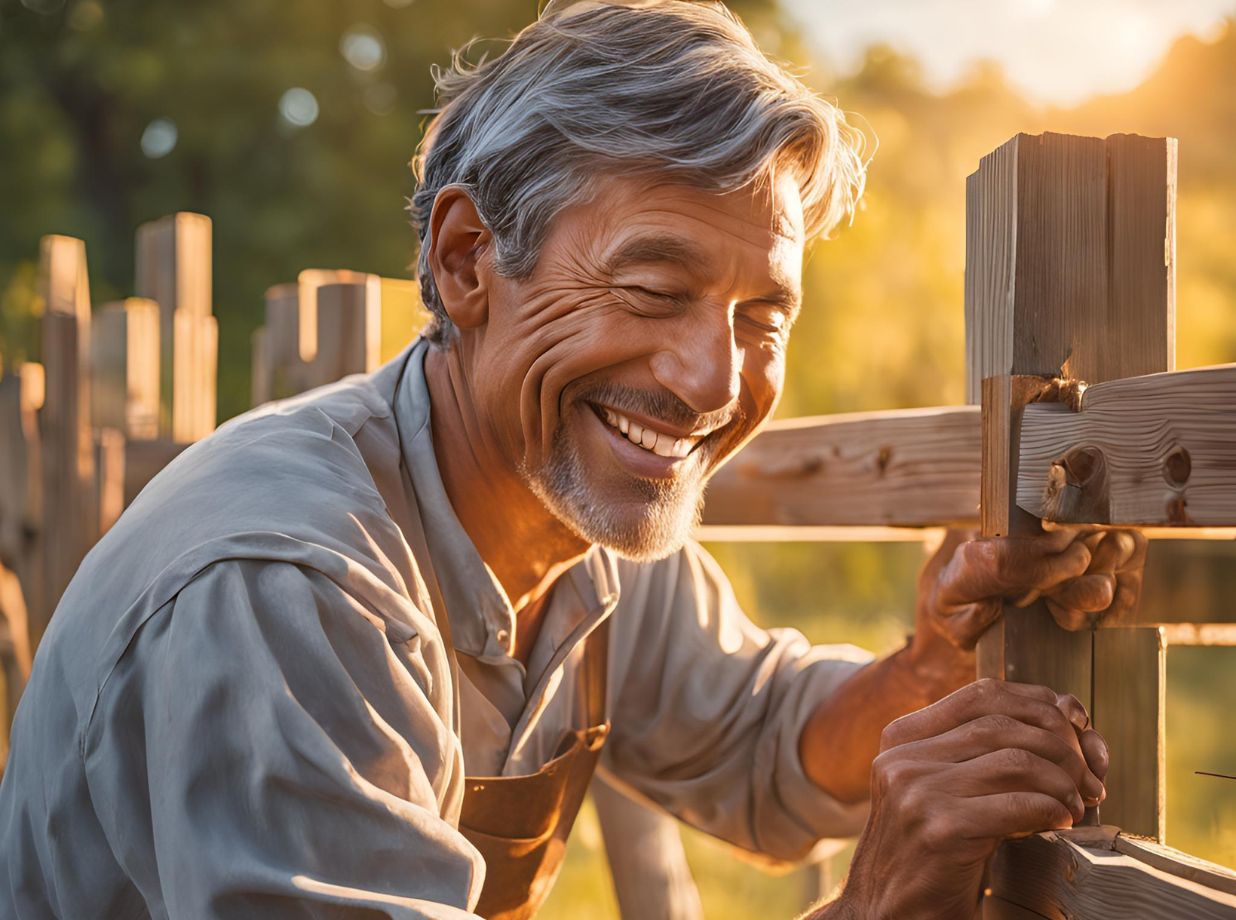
(266, 748)
(961, 591)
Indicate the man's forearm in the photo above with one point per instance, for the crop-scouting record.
(842, 737)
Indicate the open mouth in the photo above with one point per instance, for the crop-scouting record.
(656, 442)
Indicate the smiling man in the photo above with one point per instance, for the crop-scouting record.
(359, 654)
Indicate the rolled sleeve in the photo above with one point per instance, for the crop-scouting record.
(708, 709)
(264, 748)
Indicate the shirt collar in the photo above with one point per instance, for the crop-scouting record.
(481, 618)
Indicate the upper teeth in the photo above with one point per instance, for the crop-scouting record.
(661, 444)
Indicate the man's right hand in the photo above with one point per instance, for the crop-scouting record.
(992, 760)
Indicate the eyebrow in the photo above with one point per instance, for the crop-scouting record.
(657, 248)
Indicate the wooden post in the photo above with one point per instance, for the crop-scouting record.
(70, 516)
(124, 354)
(174, 270)
(1069, 272)
(349, 316)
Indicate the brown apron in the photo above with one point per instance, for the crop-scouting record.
(520, 823)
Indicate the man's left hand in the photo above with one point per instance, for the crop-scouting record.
(1083, 574)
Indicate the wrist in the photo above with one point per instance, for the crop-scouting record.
(936, 666)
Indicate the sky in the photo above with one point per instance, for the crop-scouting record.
(1055, 51)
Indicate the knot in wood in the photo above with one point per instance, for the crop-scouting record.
(1177, 467)
(1062, 390)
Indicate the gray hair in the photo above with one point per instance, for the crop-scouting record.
(664, 88)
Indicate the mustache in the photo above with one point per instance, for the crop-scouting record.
(662, 404)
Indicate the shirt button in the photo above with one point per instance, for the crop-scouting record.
(503, 636)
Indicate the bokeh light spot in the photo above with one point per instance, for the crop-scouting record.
(85, 15)
(363, 48)
(43, 7)
(159, 138)
(299, 107)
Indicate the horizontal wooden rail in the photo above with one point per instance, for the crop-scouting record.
(911, 468)
(1100, 875)
(1153, 450)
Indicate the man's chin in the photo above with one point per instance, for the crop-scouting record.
(642, 531)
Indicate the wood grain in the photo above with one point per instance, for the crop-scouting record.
(124, 367)
(173, 268)
(1058, 878)
(1167, 442)
(1130, 687)
(913, 468)
(69, 525)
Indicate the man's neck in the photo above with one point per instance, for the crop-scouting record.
(524, 545)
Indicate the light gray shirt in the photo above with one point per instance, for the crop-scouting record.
(244, 704)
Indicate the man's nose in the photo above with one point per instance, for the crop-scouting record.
(702, 365)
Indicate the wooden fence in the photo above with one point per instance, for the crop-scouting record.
(1070, 273)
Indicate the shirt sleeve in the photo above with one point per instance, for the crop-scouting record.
(707, 709)
(265, 748)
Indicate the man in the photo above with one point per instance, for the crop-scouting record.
(359, 654)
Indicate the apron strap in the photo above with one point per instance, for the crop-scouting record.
(596, 674)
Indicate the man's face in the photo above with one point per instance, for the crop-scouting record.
(647, 346)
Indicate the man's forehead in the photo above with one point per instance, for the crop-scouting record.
(640, 222)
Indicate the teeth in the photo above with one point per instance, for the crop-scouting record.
(663, 445)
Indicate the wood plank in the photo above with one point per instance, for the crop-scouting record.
(308, 281)
(142, 462)
(1158, 450)
(124, 357)
(1199, 634)
(174, 270)
(1189, 581)
(912, 468)
(194, 372)
(70, 516)
(1036, 256)
(109, 463)
(282, 343)
(1070, 275)
(259, 368)
(349, 318)
(1177, 863)
(1060, 878)
(1130, 687)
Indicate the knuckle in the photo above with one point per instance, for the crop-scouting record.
(1018, 761)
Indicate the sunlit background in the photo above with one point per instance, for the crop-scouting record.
(291, 125)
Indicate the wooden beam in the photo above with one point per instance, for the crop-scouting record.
(174, 270)
(142, 462)
(308, 282)
(913, 468)
(70, 514)
(1069, 274)
(195, 376)
(1152, 450)
(349, 318)
(1128, 707)
(1092, 877)
(124, 359)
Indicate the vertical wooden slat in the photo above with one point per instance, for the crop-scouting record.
(308, 282)
(1070, 273)
(349, 329)
(282, 341)
(1129, 693)
(1036, 261)
(174, 270)
(124, 355)
(70, 516)
(1139, 330)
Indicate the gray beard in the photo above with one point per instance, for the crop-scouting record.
(671, 510)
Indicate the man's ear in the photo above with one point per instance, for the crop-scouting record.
(458, 239)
